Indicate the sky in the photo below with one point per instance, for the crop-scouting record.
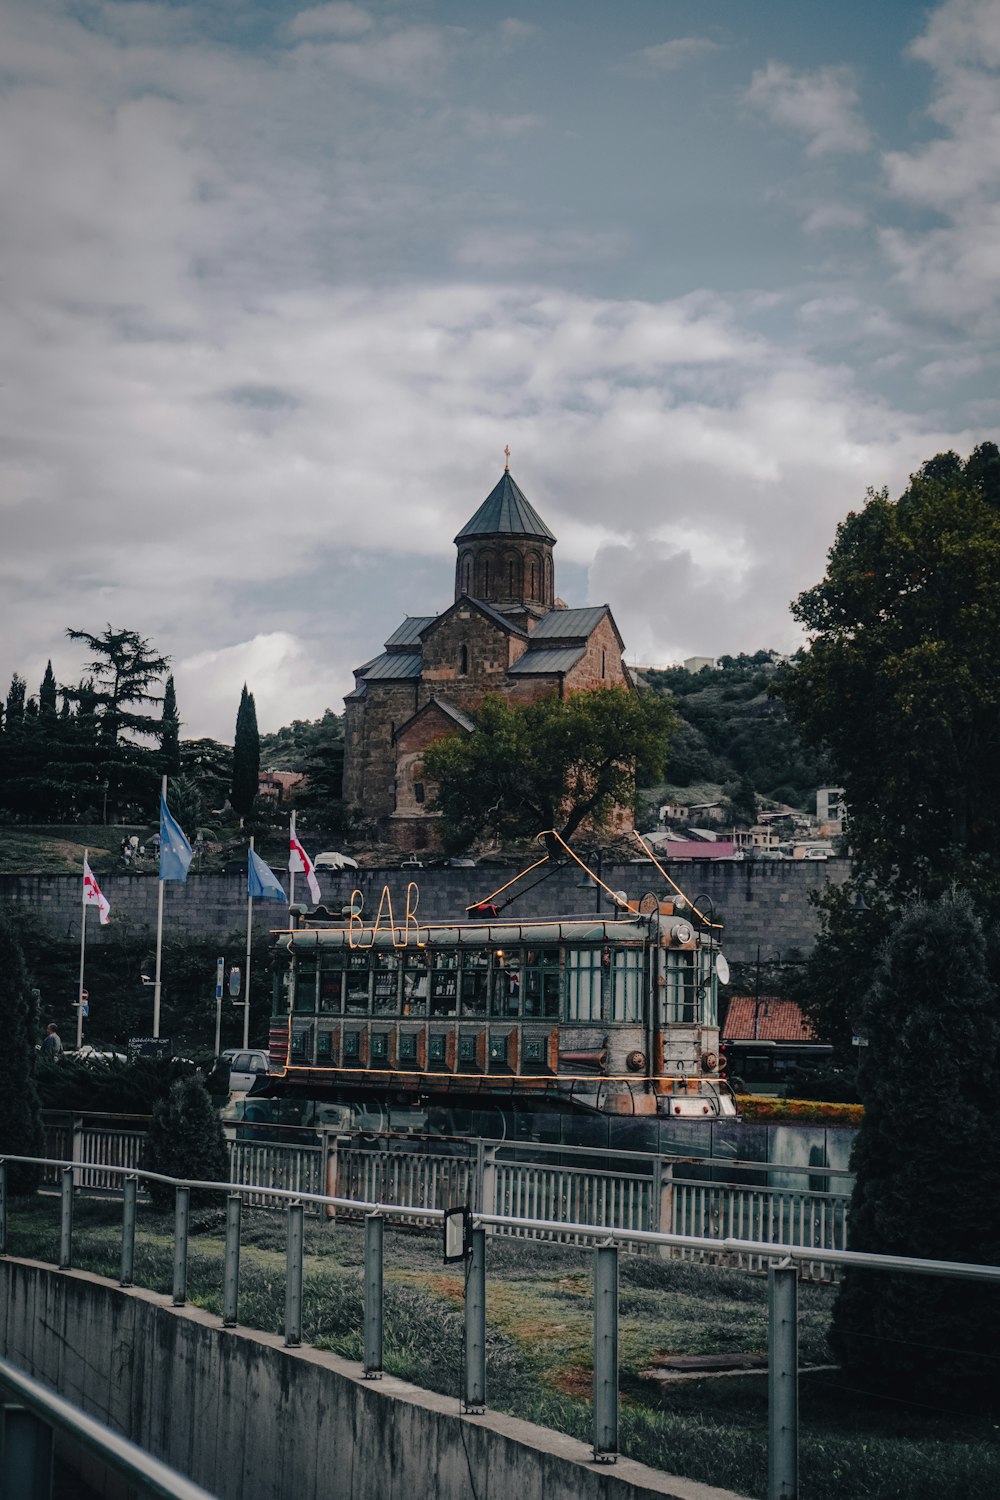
(278, 283)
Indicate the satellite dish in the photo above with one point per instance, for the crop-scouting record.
(722, 968)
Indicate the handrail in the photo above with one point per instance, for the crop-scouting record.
(600, 1234)
(110, 1447)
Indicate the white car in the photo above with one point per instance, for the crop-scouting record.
(245, 1067)
(331, 860)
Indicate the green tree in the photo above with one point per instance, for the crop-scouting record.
(185, 1140)
(246, 756)
(47, 691)
(741, 808)
(170, 728)
(15, 701)
(123, 669)
(831, 985)
(552, 764)
(901, 680)
(21, 1131)
(208, 764)
(927, 1162)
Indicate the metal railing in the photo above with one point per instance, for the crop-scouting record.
(784, 1262)
(29, 1412)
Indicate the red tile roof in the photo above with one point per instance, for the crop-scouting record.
(776, 1021)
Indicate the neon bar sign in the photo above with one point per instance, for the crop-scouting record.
(384, 920)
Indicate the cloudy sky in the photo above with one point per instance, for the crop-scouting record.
(280, 282)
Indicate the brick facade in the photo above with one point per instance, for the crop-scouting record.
(505, 633)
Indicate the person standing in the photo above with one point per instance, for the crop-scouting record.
(51, 1044)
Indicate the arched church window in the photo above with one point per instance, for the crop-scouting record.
(534, 582)
(463, 661)
(548, 578)
(510, 578)
(467, 574)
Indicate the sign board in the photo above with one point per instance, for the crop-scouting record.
(220, 977)
(235, 980)
(149, 1046)
(457, 1234)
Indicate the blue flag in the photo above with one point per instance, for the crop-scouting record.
(262, 883)
(175, 851)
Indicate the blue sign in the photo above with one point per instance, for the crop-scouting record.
(220, 977)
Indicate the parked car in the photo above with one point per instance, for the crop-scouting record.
(245, 1068)
(331, 860)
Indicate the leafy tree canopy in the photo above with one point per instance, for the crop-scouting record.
(124, 668)
(555, 763)
(902, 677)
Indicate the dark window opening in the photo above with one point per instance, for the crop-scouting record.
(418, 791)
(463, 661)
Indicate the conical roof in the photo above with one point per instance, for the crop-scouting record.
(506, 512)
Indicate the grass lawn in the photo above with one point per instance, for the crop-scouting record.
(539, 1301)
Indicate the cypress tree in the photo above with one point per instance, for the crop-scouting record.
(15, 700)
(185, 1140)
(246, 756)
(47, 691)
(927, 1163)
(21, 1132)
(170, 729)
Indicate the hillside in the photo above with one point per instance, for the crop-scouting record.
(732, 729)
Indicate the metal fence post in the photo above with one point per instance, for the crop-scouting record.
(66, 1220)
(293, 1277)
(374, 1230)
(782, 1382)
(130, 1188)
(488, 1182)
(182, 1213)
(231, 1274)
(25, 1454)
(474, 1397)
(606, 1353)
(3, 1207)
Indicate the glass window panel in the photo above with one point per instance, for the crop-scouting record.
(584, 981)
(444, 984)
(386, 985)
(416, 987)
(542, 981)
(507, 984)
(626, 985)
(681, 1000)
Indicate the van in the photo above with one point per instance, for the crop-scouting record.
(245, 1068)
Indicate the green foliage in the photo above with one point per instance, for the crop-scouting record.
(47, 691)
(831, 985)
(20, 1118)
(208, 765)
(552, 764)
(902, 678)
(101, 1085)
(170, 728)
(185, 1140)
(246, 756)
(927, 1162)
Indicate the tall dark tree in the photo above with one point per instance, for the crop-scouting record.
(170, 728)
(185, 1140)
(123, 669)
(927, 1162)
(15, 701)
(21, 1131)
(47, 691)
(246, 756)
(901, 680)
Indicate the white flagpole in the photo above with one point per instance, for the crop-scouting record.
(291, 873)
(246, 992)
(83, 949)
(159, 937)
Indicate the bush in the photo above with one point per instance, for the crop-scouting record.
(21, 1132)
(185, 1140)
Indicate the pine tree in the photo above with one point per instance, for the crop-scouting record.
(246, 756)
(927, 1163)
(170, 726)
(47, 691)
(124, 668)
(21, 1132)
(15, 701)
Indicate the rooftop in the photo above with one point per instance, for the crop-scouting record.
(506, 511)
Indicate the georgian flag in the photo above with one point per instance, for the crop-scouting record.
(93, 896)
(300, 864)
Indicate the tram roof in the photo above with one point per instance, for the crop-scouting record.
(473, 934)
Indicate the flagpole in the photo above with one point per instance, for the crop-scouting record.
(83, 949)
(159, 934)
(291, 873)
(246, 992)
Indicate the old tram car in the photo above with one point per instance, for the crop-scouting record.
(617, 1015)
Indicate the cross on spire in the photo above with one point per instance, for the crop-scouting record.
(506, 454)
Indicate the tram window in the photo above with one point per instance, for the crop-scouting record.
(408, 1047)
(331, 992)
(352, 1046)
(305, 981)
(542, 982)
(301, 1048)
(358, 985)
(475, 982)
(324, 1046)
(416, 983)
(386, 1000)
(584, 977)
(681, 998)
(626, 985)
(444, 984)
(507, 984)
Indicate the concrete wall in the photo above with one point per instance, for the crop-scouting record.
(765, 901)
(250, 1420)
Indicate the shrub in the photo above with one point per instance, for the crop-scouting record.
(21, 1132)
(185, 1140)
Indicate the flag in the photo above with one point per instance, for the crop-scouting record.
(93, 896)
(262, 881)
(300, 863)
(175, 851)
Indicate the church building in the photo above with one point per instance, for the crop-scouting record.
(506, 632)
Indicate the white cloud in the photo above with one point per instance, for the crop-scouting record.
(822, 105)
(276, 667)
(506, 250)
(667, 57)
(331, 20)
(833, 216)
